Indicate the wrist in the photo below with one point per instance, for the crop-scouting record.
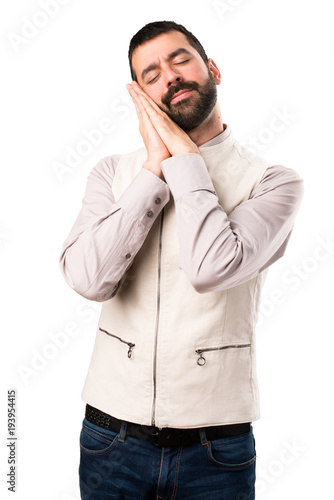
(187, 150)
(154, 167)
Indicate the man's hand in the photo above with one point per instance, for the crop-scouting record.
(162, 136)
(156, 149)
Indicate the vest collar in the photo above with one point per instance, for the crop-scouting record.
(223, 142)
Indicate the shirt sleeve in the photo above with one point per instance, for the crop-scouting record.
(107, 235)
(219, 251)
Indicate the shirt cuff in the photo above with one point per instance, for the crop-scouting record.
(145, 197)
(186, 173)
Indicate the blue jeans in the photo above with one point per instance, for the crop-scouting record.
(116, 466)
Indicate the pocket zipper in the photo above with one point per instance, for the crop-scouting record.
(201, 360)
(131, 346)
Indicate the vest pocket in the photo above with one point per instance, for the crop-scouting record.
(202, 360)
(130, 344)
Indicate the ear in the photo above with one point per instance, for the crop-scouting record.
(214, 70)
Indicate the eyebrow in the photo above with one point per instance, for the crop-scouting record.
(171, 56)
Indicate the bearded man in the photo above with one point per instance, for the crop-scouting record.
(176, 240)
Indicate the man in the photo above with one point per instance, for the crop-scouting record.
(175, 239)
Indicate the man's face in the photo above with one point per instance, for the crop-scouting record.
(175, 76)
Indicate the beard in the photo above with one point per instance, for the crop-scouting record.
(190, 113)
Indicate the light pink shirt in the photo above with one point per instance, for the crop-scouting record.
(217, 252)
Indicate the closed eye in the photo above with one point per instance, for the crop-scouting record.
(155, 77)
(152, 80)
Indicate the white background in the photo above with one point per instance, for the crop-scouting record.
(64, 79)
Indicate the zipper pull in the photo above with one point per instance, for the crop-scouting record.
(131, 346)
(201, 360)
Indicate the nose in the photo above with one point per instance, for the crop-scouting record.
(174, 80)
(171, 77)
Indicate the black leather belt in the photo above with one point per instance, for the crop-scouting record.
(166, 436)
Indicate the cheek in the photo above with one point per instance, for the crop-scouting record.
(156, 94)
(196, 73)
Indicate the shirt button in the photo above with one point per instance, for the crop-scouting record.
(150, 214)
(128, 255)
(158, 201)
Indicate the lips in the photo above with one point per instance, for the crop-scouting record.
(181, 95)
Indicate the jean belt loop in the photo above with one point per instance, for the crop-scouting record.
(122, 432)
(202, 434)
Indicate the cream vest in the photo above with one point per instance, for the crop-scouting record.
(165, 354)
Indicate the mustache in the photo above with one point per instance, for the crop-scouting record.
(166, 99)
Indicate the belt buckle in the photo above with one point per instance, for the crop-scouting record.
(162, 437)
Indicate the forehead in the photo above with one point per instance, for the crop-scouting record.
(159, 48)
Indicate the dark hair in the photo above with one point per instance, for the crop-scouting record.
(152, 30)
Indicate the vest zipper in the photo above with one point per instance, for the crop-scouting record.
(201, 360)
(157, 323)
(130, 344)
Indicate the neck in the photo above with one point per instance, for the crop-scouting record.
(210, 128)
